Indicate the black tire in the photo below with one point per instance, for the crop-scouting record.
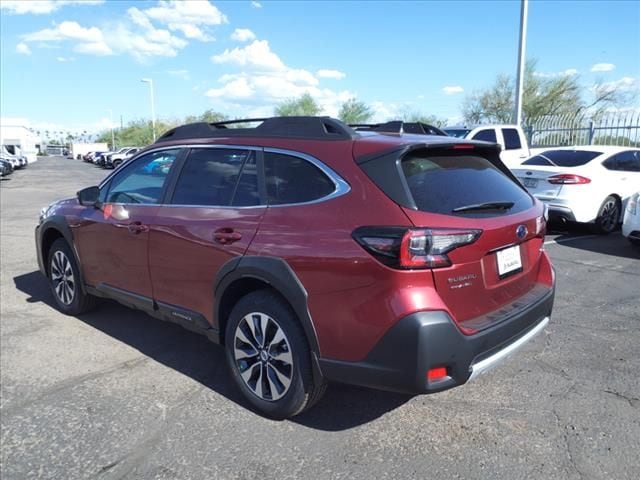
(608, 216)
(267, 370)
(117, 163)
(64, 280)
(634, 241)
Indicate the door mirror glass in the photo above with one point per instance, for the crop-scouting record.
(89, 196)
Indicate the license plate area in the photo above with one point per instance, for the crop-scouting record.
(509, 261)
(530, 182)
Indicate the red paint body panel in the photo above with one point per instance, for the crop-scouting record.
(111, 253)
(184, 258)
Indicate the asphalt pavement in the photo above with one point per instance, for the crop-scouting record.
(117, 394)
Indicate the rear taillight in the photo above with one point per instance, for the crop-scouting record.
(632, 205)
(568, 179)
(413, 248)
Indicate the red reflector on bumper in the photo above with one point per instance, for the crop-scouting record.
(437, 373)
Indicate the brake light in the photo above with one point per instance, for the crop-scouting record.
(404, 248)
(463, 146)
(632, 206)
(568, 179)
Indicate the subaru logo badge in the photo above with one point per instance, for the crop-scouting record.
(521, 231)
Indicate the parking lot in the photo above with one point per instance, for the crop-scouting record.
(117, 394)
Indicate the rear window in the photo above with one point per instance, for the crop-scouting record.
(441, 184)
(562, 158)
(457, 132)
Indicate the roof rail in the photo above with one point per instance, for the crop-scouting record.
(316, 128)
(399, 126)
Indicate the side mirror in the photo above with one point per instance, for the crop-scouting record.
(89, 196)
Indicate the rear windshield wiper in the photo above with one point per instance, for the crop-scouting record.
(484, 206)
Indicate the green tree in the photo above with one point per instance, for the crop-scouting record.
(354, 111)
(409, 115)
(303, 106)
(541, 96)
(209, 116)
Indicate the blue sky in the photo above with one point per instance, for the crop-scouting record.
(64, 64)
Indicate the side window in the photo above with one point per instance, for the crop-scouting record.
(291, 179)
(624, 162)
(211, 177)
(511, 139)
(142, 181)
(486, 136)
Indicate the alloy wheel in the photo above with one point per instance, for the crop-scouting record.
(62, 278)
(609, 217)
(262, 354)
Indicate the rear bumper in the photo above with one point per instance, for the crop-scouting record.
(425, 340)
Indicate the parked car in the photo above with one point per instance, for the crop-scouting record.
(515, 148)
(16, 159)
(6, 168)
(432, 272)
(589, 184)
(631, 221)
(116, 159)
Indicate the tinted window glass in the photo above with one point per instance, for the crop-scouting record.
(624, 162)
(538, 160)
(564, 158)
(442, 184)
(210, 176)
(247, 191)
(143, 180)
(457, 132)
(294, 180)
(486, 136)
(511, 139)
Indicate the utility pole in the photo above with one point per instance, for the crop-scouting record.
(113, 138)
(524, 11)
(153, 108)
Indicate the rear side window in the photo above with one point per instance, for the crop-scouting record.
(624, 162)
(212, 177)
(441, 184)
(486, 136)
(563, 158)
(511, 139)
(292, 179)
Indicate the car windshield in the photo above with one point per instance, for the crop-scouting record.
(457, 132)
(562, 158)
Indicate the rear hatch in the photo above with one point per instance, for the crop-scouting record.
(466, 198)
(535, 180)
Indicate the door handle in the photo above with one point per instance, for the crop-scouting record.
(226, 236)
(137, 227)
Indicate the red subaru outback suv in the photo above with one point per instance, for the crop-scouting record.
(314, 252)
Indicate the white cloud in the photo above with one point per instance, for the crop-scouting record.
(257, 55)
(625, 85)
(452, 89)
(187, 17)
(91, 39)
(326, 73)
(37, 7)
(23, 49)
(184, 74)
(255, 4)
(603, 67)
(243, 35)
(564, 73)
(265, 81)
(65, 59)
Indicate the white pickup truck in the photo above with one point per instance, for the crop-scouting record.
(515, 148)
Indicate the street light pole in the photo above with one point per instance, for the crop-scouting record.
(153, 108)
(113, 138)
(524, 11)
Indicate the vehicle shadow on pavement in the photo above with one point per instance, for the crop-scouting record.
(342, 407)
(613, 244)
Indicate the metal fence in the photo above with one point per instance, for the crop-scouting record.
(613, 128)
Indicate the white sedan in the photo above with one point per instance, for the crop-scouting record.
(590, 184)
(631, 222)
